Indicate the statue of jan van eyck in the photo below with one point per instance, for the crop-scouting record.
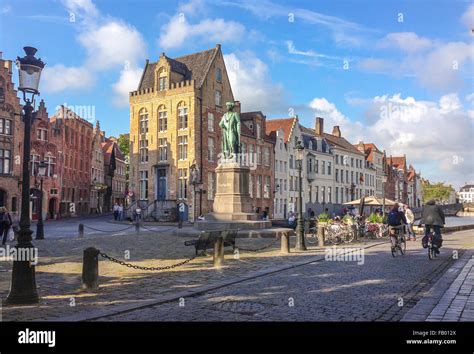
(230, 128)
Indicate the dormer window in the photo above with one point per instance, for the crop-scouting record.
(218, 75)
(162, 86)
(162, 80)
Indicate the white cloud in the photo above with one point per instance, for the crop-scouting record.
(110, 44)
(113, 43)
(332, 116)
(468, 17)
(251, 83)
(406, 41)
(434, 135)
(178, 30)
(60, 78)
(129, 79)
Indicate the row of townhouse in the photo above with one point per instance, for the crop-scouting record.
(334, 171)
(78, 157)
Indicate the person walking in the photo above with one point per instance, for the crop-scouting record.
(120, 212)
(116, 212)
(410, 221)
(433, 217)
(5, 224)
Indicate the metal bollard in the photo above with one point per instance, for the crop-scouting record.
(81, 230)
(320, 236)
(137, 227)
(285, 242)
(219, 252)
(90, 269)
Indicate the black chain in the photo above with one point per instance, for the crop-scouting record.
(147, 228)
(129, 265)
(257, 249)
(129, 227)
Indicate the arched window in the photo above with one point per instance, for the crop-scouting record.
(143, 121)
(182, 116)
(162, 119)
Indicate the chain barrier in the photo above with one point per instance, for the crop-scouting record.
(120, 230)
(129, 265)
(258, 249)
(149, 229)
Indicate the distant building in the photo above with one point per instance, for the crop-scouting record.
(98, 186)
(466, 194)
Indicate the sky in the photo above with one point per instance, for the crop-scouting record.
(395, 73)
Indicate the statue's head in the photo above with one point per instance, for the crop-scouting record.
(230, 106)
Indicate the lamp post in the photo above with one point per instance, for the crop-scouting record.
(194, 171)
(300, 244)
(42, 166)
(352, 191)
(23, 284)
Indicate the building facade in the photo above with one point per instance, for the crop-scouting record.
(45, 143)
(11, 138)
(174, 125)
(257, 149)
(75, 155)
(98, 186)
(466, 194)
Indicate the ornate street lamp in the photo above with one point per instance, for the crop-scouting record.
(23, 284)
(300, 244)
(42, 166)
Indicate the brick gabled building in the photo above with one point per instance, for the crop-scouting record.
(174, 117)
(75, 144)
(45, 147)
(258, 146)
(11, 140)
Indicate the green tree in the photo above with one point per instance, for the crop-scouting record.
(438, 191)
(124, 143)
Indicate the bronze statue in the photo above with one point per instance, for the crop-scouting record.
(230, 127)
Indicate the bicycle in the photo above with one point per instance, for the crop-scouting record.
(312, 235)
(398, 240)
(339, 233)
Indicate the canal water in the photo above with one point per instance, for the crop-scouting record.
(459, 220)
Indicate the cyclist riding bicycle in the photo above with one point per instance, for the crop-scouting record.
(396, 220)
(433, 218)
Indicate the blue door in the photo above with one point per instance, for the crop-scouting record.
(161, 192)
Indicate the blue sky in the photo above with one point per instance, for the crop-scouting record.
(350, 62)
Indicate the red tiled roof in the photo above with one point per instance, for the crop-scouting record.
(286, 124)
(369, 151)
(398, 161)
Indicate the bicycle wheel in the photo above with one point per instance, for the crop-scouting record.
(349, 234)
(332, 234)
(402, 245)
(430, 253)
(393, 246)
(312, 236)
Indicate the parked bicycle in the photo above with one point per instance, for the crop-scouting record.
(338, 233)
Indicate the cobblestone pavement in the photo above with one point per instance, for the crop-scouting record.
(323, 290)
(383, 288)
(457, 303)
(58, 272)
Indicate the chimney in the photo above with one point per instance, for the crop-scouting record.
(319, 127)
(336, 131)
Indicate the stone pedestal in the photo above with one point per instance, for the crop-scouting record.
(232, 203)
(232, 200)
